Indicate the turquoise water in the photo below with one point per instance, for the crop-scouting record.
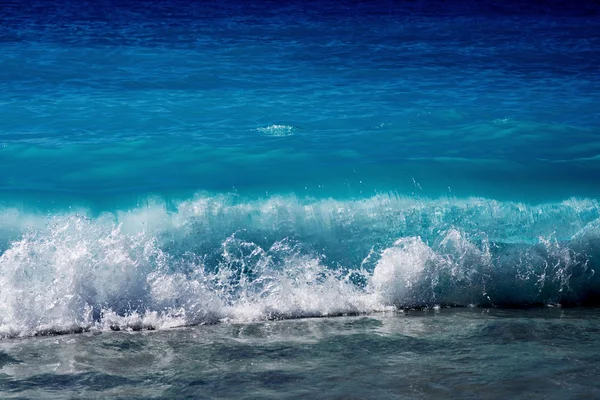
(168, 165)
(328, 99)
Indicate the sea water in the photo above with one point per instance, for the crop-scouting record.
(299, 199)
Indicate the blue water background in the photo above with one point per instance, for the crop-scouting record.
(183, 163)
(106, 103)
(202, 171)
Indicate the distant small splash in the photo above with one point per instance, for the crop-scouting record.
(277, 130)
(220, 258)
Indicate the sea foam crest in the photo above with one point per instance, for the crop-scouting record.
(219, 259)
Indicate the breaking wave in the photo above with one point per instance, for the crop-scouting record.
(220, 258)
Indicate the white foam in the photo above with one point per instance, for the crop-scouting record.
(277, 130)
(399, 268)
(115, 271)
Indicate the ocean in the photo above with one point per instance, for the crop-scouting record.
(286, 199)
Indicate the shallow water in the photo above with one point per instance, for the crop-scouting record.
(466, 353)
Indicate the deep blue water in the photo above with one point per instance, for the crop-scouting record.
(104, 100)
(189, 163)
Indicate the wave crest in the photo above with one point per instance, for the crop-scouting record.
(214, 259)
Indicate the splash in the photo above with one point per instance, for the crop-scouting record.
(221, 258)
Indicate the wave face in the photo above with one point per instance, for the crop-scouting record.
(220, 258)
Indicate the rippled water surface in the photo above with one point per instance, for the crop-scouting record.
(490, 354)
(188, 184)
